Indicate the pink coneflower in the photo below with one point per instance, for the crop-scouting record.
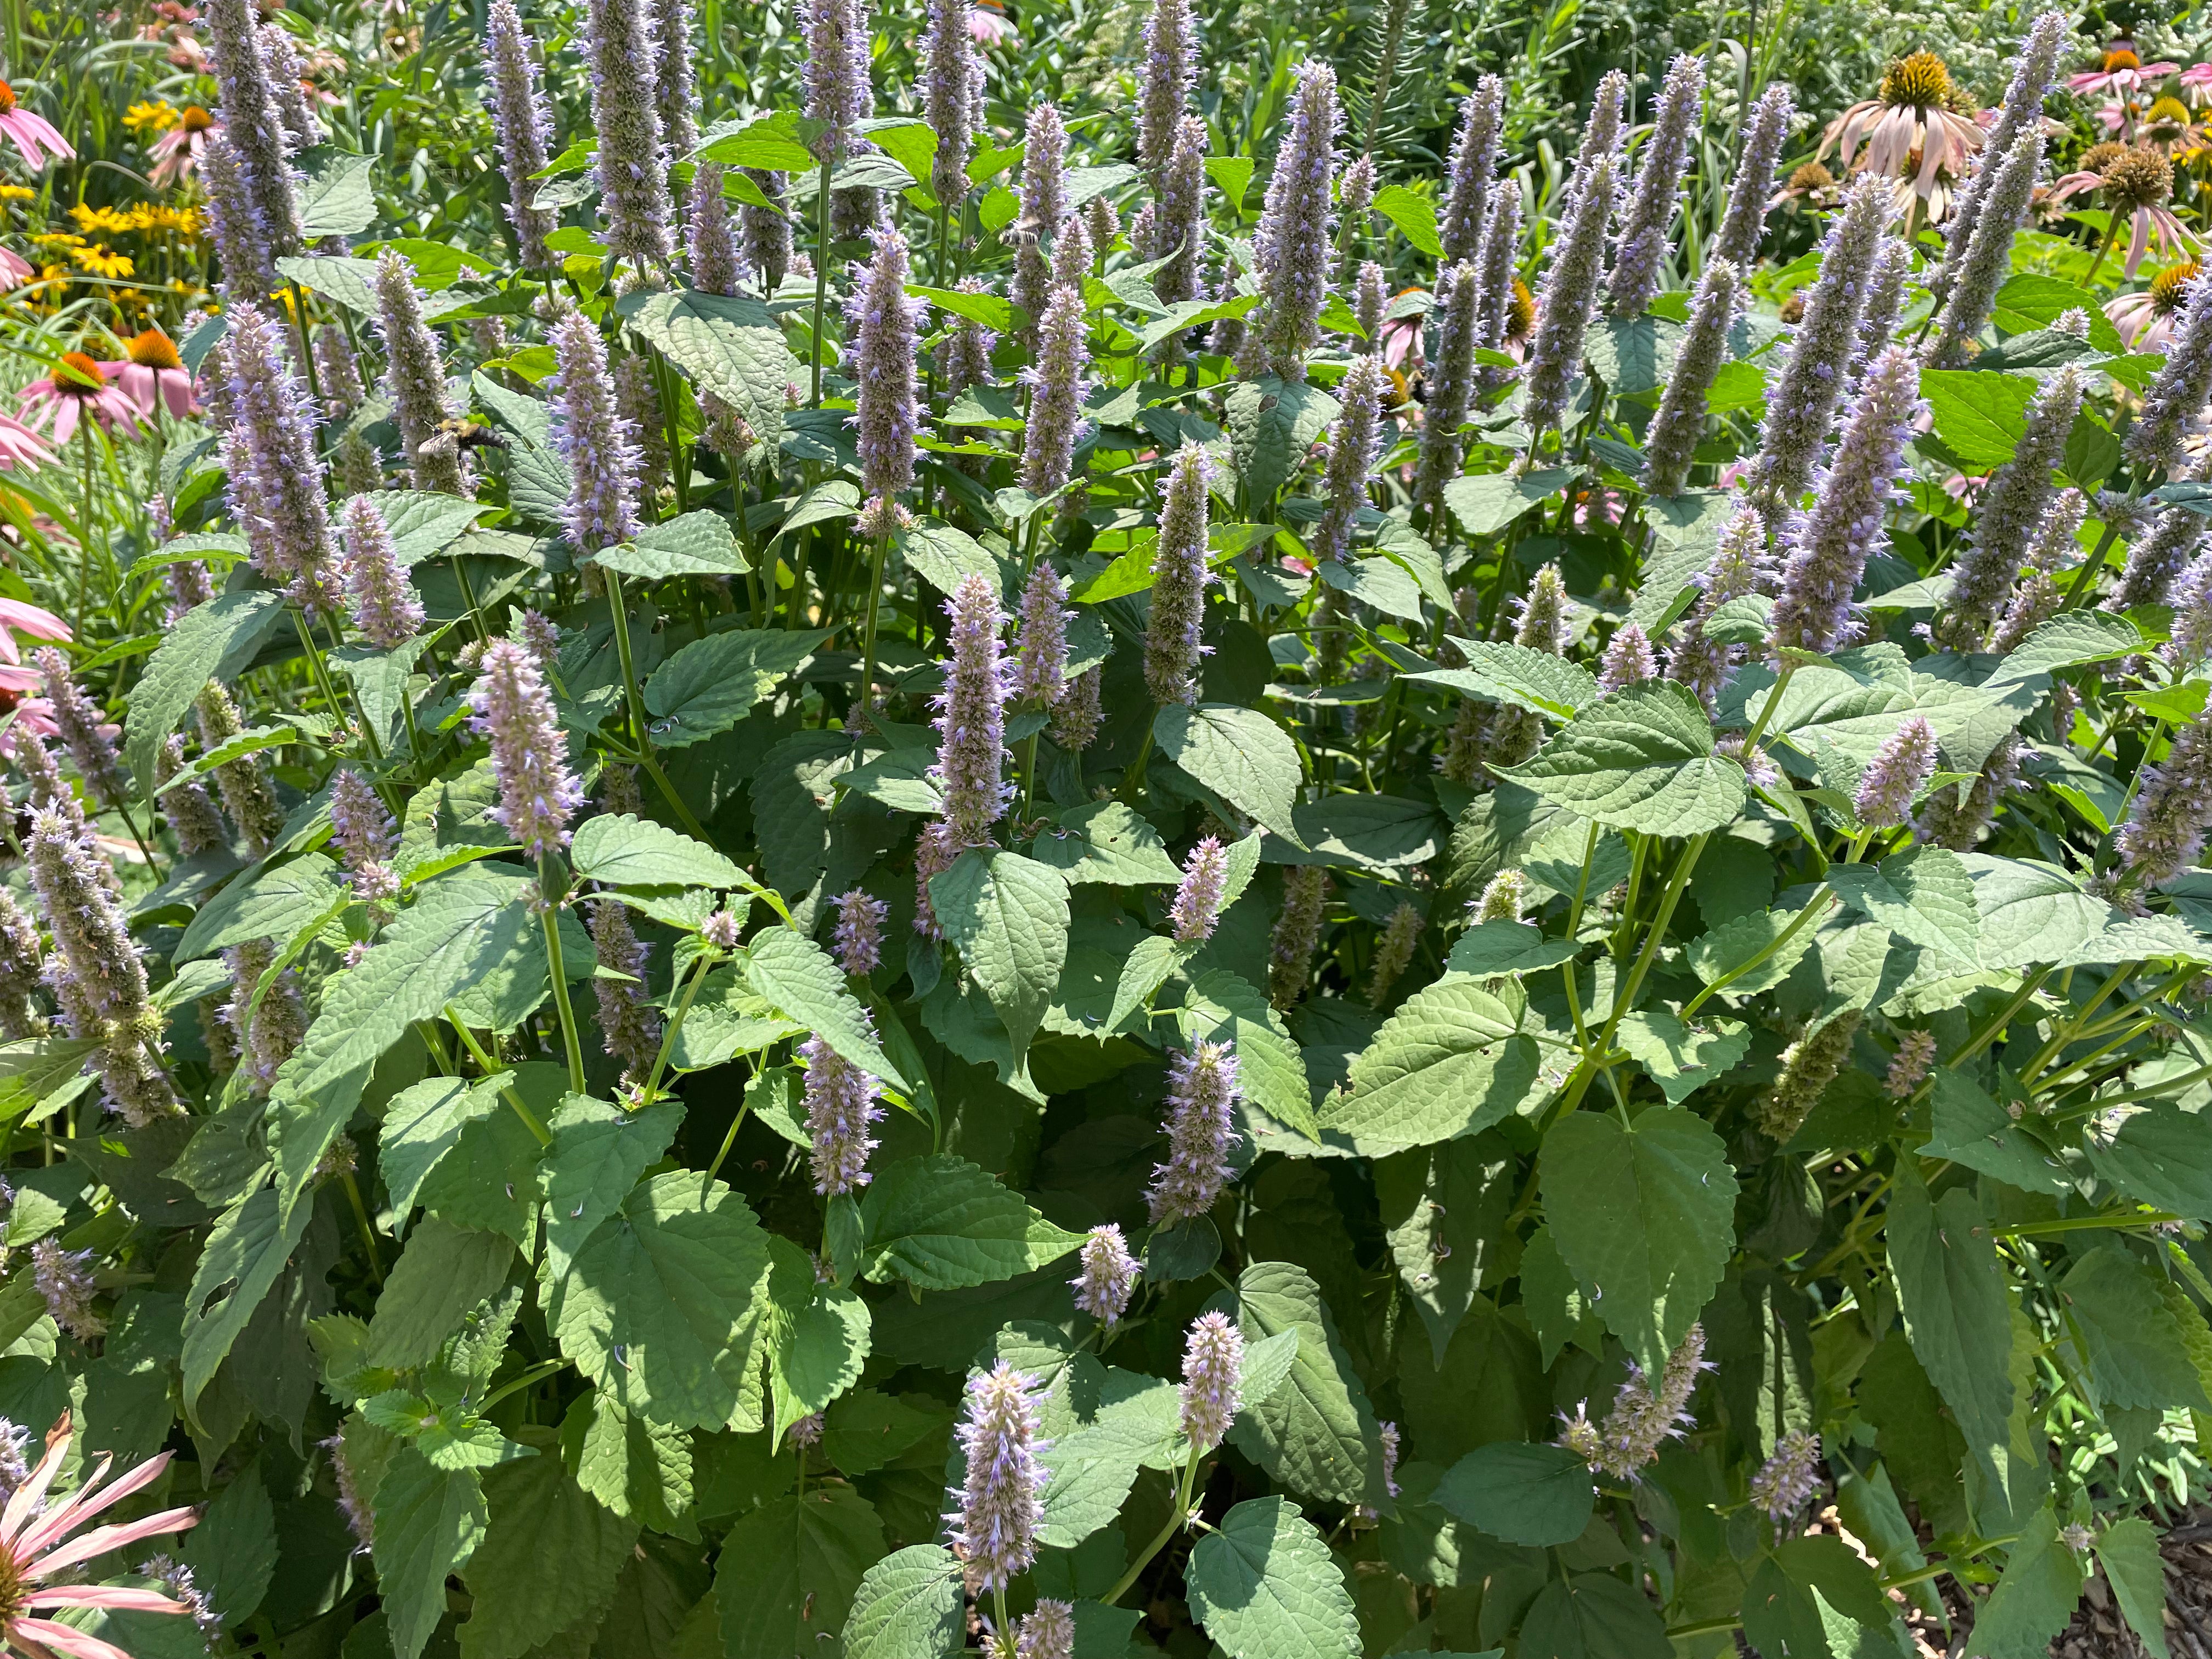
(15, 270)
(77, 388)
(988, 22)
(32, 1549)
(2196, 81)
(178, 151)
(2138, 180)
(20, 616)
(1916, 113)
(21, 446)
(34, 135)
(2145, 319)
(152, 374)
(2121, 72)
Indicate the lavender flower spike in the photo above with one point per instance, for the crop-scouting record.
(1743, 226)
(521, 126)
(841, 1105)
(1885, 303)
(1808, 1066)
(2038, 597)
(1789, 1478)
(275, 473)
(1296, 932)
(837, 90)
(1351, 455)
(971, 718)
(1109, 1275)
(2160, 555)
(1180, 576)
(253, 121)
(1671, 440)
(20, 957)
(628, 1022)
(1571, 280)
(633, 166)
(1058, 384)
(362, 831)
(2165, 828)
(1041, 639)
(766, 233)
(1830, 545)
(1179, 228)
(1197, 906)
(530, 756)
(1473, 166)
(1909, 1067)
(1002, 1502)
(1649, 219)
(1201, 1094)
(881, 323)
(1170, 68)
(1738, 567)
(1044, 205)
(2178, 391)
(79, 722)
(186, 805)
(1077, 715)
(1900, 769)
(1501, 252)
(339, 372)
(601, 446)
(414, 375)
(1644, 1417)
(1046, 1632)
(385, 605)
(1628, 659)
(2033, 71)
(952, 98)
(1987, 260)
(63, 1277)
(1212, 1367)
(860, 936)
(1371, 298)
(1800, 403)
(710, 238)
(672, 77)
(1394, 951)
(1290, 248)
(2191, 640)
(241, 247)
(2009, 512)
(1451, 390)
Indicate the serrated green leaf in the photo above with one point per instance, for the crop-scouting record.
(1007, 916)
(2159, 1153)
(697, 543)
(1682, 1058)
(940, 1223)
(2128, 1551)
(791, 1571)
(1106, 841)
(1979, 415)
(1951, 1291)
(211, 641)
(1264, 1586)
(429, 1523)
(444, 1272)
(1316, 1432)
(731, 347)
(1223, 1007)
(1924, 896)
(1538, 1495)
(598, 1153)
(2033, 1599)
(1271, 424)
(1453, 1061)
(624, 851)
(1240, 754)
(246, 1251)
(1490, 948)
(817, 1337)
(1520, 675)
(712, 683)
(796, 976)
(1415, 216)
(1591, 1615)
(1644, 1214)
(423, 1123)
(660, 1306)
(1486, 503)
(2137, 1353)
(1641, 759)
(547, 1563)
(639, 1470)
(908, 1607)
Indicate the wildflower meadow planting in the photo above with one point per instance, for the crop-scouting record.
(1071, 829)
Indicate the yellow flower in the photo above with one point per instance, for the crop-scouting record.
(100, 262)
(156, 216)
(158, 115)
(17, 193)
(97, 220)
(57, 239)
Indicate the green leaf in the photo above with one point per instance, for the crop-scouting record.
(2137, 1353)
(338, 198)
(1223, 1007)
(443, 1274)
(1443, 1209)
(791, 1572)
(423, 1123)
(232, 1551)
(729, 346)
(1924, 896)
(1490, 948)
(1538, 1495)
(1264, 1586)
(799, 980)
(423, 524)
(2128, 1553)
(1316, 1433)
(1453, 1061)
(1415, 216)
(2029, 301)
(1271, 424)
(547, 1561)
(1007, 916)
(1240, 754)
(1951, 1290)
(1520, 675)
(908, 1607)
(598, 1153)
(36, 1069)
(2160, 1155)
(940, 1223)
(1682, 1058)
(712, 683)
(770, 141)
(1486, 504)
(624, 851)
(660, 1309)
(639, 1470)
(817, 1337)
(1145, 971)
(2041, 1585)
(2071, 638)
(1106, 841)
(429, 1522)
(1592, 1615)
(1645, 1216)
(697, 543)
(1979, 415)
(211, 641)
(247, 1250)
(1233, 175)
(1969, 1128)
(1641, 759)
(459, 930)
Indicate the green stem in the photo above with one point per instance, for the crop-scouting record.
(821, 281)
(1176, 1521)
(866, 702)
(550, 893)
(1804, 919)
(529, 1378)
(707, 960)
(1626, 995)
(491, 1068)
(633, 699)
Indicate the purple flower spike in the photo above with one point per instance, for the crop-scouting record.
(1197, 906)
(952, 98)
(838, 93)
(83, 729)
(1041, 639)
(1577, 256)
(1642, 1418)
(881, 323)
(385, 605)
(1201, 1096)
(414, 375)
(1909, 1067)
(1108, 1277)
(253, 123)
(1179, 229)
(276, 476)
(522, 125)
(1473, 166)
(1628, 659)
(1046, 1632)
(1743, 226)
(362, 830)
(600, 446)
(537, 793)
(2008, 515)
(1645, 227)
(1987, 260)
(1180, 577)
(2178, 391)
(1171, 71)
(1788, 1479)
(1899, 770)
(841, 1106)
(1671, 440)
(1351, 455)
(2165, 827)
(971, 719)
(1001, 1506)
(1044, 205)
(627, 1020)
(860, 935)
(718, 265)
(1212, 1367)
(1058, 384)
(671, 27)
(632, 164)
(2034, 72)
(1291, 249)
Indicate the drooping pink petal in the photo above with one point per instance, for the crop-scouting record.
(24, 1502)
(62, 1639)
(37, 620)
(116, 1596)
(100, 1540)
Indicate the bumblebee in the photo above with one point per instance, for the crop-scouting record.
(466, 433)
